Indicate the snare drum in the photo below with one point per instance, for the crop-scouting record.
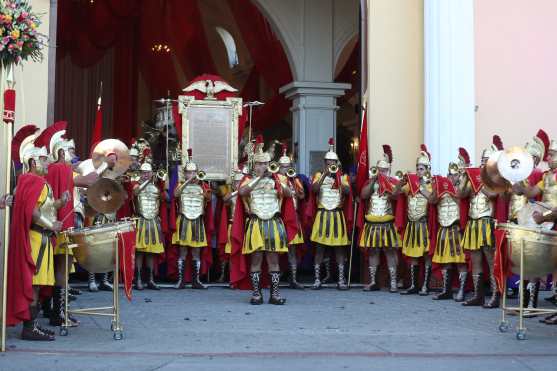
(540, 249)
(96, 245)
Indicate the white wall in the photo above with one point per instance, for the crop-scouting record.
(516, 74)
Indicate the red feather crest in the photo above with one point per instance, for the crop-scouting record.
(545, 139)
(498, 142)
(423, 147)
(464, 154)
(21, 134)
(387, 150)
(259, 139)
(44, 138)
(189, 153)
(331, 141)
(284, 148)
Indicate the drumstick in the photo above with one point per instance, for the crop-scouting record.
(544, 205)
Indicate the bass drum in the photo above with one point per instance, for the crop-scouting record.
(540, 249)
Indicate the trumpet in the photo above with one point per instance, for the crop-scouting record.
(273, 167)
(291, 172)
(131, 176)
(373, 171)
(161, 174)
(333, 169)
(201, 175)
(400, 174)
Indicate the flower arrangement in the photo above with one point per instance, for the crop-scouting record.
(19, 38)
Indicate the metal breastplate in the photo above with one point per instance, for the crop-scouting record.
(379, 205)
(192, 202)
(330, 198)
(516, 203)
(550, 189)
(480, 206)
(79, 208)
(264, 200)
(417, 207)
(47, 209)
(448, 211)
(148, 201)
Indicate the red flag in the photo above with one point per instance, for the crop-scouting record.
(9, 106)
(98, 129)
(362, 172)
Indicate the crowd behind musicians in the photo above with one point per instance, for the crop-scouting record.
(418, 220)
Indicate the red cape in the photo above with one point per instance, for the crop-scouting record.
(21, 266)
(60, 178)
(239, 263)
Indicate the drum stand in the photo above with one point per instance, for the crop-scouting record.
(112, 311)
(520, 310)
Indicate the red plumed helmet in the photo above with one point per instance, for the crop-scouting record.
(498, 142)
(21, 134)
(464, 154)
(423, 147)
(387, 150)
(545, 139)
(44, 138)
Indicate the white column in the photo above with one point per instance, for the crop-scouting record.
(314, 119)
(449, 80)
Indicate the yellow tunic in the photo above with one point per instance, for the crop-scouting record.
(149, 237)
(45, 274)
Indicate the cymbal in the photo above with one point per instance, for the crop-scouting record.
(515, 164)
(107, 147)
(106, 196)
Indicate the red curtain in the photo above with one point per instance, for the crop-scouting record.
(270, 60)
(127, 29)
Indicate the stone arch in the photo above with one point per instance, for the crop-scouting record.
(275, 13)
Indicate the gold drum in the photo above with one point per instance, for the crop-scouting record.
(540, 249)
(96, 245)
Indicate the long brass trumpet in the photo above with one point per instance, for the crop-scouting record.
(201, 175)
(333, 169)
(373, 171)
(291, 172)
(161, 174)
(400, 174)
(131, 176)
(273, 167)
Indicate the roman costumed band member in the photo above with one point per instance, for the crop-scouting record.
(331, 195)
(547, 189)
(33, 225)
(61, 179)
(451, 219)
(193, 196)
(287, 170)
(150, 239)
(416, 241)
(258, 230)
(537, 147)
(479, 236)
(379, 233)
